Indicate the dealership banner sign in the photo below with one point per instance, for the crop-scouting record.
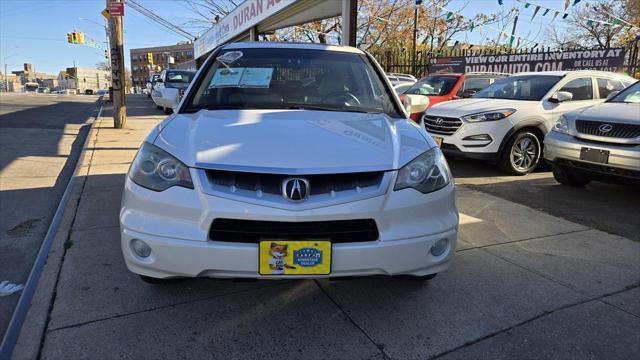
(598, 59)
(246, 15)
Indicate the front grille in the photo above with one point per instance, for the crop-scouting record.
(252, 231)
(272, 183)
(441, 125)
(618, 130)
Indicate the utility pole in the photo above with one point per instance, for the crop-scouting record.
(513, 32)
(415, 33)
(117, 69)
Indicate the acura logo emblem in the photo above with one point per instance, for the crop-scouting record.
(295, 189)
(605, 128)
(439, 121)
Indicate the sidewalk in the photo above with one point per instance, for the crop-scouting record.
(524, 284)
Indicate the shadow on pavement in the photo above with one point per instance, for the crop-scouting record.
(608, 207)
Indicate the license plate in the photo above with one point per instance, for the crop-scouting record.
(438, 140)
(594, 155)
(295, 257)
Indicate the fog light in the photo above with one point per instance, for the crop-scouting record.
(140, 248)
(480, 137)
(439, 247)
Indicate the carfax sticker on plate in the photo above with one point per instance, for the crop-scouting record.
(438, 140)
(295, 257)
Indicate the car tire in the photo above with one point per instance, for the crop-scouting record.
(152, 280)
(158, 107)
(568, 177)
(168, 111)
(522, 153)
(417, 278)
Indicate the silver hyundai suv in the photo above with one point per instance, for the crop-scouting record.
(601, 142)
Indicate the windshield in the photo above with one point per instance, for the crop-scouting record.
(291, 79)
(629, 95)
(526, 87)
(179, 76)
(436, 85)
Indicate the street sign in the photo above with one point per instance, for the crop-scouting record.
(105, 13)
(116, 8)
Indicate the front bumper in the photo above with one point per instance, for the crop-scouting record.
(175, 223)
(461, 143)
(624, 160)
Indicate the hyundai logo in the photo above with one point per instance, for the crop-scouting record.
(439, 121)
(295, 189)
(605, 128)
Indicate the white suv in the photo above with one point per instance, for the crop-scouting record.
(506, 122)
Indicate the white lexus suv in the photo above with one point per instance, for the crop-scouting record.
(288, 161)
(506, 122)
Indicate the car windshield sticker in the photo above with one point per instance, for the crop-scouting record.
(229, 57)
(226, 77)
(242, 77)
(256, 77)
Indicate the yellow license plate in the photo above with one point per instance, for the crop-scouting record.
(293, 257)
(438, 140)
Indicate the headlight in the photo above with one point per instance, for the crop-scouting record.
(426, 173)
(155, 169)
(490, 115)
(562, 125)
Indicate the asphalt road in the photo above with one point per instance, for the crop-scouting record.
(41, 136)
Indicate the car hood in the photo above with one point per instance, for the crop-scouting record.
(462, 107)
(612, 112)
(292, 141)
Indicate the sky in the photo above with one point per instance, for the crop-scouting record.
(35, 31)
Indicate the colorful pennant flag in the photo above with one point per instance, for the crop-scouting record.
(535, 12)
(526, 5)
(575, 2)
(565, 15)
(589, 22)
(566, 4)
(555, 15)
(546, 11)
(500, 2)
(449, 15)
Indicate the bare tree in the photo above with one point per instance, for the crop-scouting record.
(205, 13)
(598, 25)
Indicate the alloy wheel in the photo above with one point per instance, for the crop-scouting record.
(524, 154)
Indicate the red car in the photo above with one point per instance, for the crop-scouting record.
(445, 87)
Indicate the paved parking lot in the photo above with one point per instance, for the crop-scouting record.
(529, 280)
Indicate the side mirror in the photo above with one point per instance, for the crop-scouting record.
(612, 94)
(172, 96)
(468, 93)
(415, 103)
(561, 96)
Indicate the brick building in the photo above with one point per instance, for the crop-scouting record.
(140, 68)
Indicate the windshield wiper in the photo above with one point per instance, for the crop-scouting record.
(329, 108)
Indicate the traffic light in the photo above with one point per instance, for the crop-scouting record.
(74, 37)
(69, 38)
(150, 58)
(106, 54)
(80, 38)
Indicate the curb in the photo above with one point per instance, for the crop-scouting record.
(26, 330)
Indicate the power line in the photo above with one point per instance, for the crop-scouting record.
(159, 20)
